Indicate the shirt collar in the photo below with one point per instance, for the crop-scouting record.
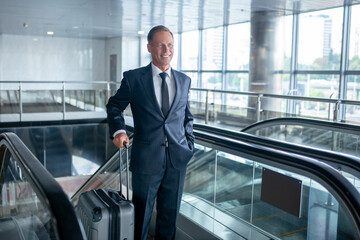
(156, 71)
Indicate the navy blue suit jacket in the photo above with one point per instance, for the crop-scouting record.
(151, 127)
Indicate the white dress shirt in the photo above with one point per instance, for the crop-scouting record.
(157, 87)
(157, 84)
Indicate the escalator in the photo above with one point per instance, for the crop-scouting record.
(33, 205)
(224, 193)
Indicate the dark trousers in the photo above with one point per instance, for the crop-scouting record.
(166, 187)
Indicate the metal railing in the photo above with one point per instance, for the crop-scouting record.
(77, 96)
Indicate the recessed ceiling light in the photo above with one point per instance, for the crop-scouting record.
(50, 33)
(141, 32)
(75, 27)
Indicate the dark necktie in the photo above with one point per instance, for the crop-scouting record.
(165, 106)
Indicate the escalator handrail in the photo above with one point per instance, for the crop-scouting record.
(49, 191)
(341, 161)
(100, 170)
(343, 127)
(321, 172)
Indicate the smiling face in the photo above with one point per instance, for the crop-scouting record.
(161, 49)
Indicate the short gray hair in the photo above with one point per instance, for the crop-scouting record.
(159, 28)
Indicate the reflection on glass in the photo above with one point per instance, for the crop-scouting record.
(35, 101)
(354, 45)
(316, 85)
(235, 198)
(238, 46)
(212, 49)
(200, 173)
(85, 100)
(9, 101)
(22, 212)
(320, 40)
(323, 138)
(190, 50)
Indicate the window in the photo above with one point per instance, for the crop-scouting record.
(212, 49)
(190, 50)
(211, 80)
(354, 46)
(320, 35)
(317, 85)
(238, 47)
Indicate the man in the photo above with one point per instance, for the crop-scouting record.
(163, 140)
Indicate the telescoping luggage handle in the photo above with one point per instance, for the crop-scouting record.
(127, 170)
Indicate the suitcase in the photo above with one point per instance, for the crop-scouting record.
(106, 213)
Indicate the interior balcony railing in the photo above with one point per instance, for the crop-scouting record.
(61, 100)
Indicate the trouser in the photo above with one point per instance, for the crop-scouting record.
(166, 187)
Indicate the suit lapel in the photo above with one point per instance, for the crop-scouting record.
(148, 85)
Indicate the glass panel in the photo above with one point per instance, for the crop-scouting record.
(233, 110)
(352, 93)
(273, 108)
(320, 35)
(85, 100)
(34, 101)
(190, 50)
(235, 198)
(200, 174)
(353, 87)
(241, 202)
(211, 80)
(9, 101)
(212, 49)
(238, 46)
(22, 212)
(197, 100)
(237, 82)
(354, 45)
(285, 83)
(324, 209)
(316, 85)
(315, 110)
(273, 219)
(324, 138)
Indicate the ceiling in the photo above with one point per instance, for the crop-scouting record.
(114, 18)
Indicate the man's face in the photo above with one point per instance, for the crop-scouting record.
(161, 49)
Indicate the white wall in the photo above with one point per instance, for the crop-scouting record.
(29, 58)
